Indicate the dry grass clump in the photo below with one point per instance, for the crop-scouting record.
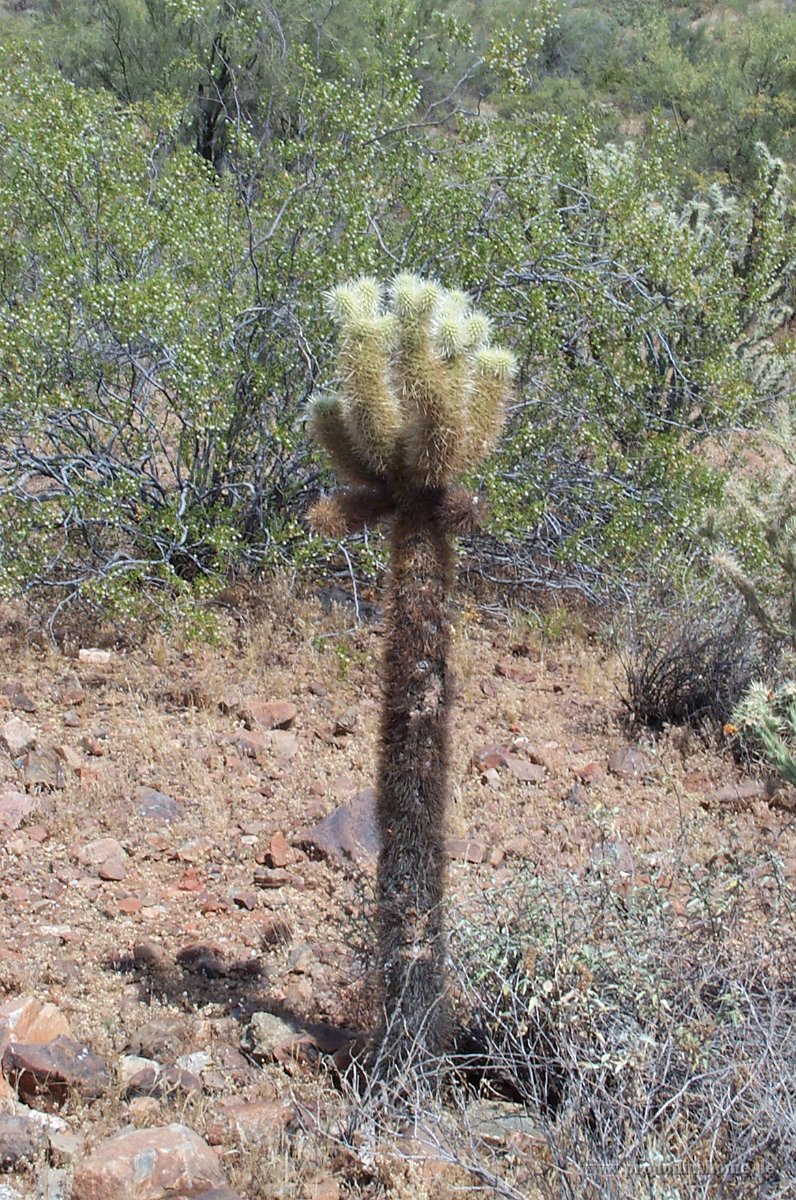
(687, 663)
(648, 1036)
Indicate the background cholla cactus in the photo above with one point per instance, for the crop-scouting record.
(421, 399)
(756, 534)
(766, 720)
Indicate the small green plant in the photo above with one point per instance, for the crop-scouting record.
(766, 721)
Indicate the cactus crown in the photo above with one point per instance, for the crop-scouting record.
(421, 390)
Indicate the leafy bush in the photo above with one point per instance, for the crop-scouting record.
(687, 661)
(645, 1029)
(161, 325)
(766, 722)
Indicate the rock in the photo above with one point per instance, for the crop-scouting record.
(16, 737)
(279, 853)
(203, 959)
(161, 1038)
(43, 769)
(617, 855)
(14, 807)
(9, 1193)
(268, 714)
(267, 1035)
(157, 806)
(526, 772)
(629, 763)
(243, 898)
(148, 1164)
(144, 1077)
(739, 796)
(26, 1019)
(53, 1185)
(346, 723)
(94, 657)
(20, 1141)
(466, 850)
(19, 698)
(220, 1193)
(499, 1123)
(100, 851)
(72, 758)
(488, 759)
(45, 1074)
(280, 742)
(348, 833)
(248, 1123)
(592, 773)
(113, 870)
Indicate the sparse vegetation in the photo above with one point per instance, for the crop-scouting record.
(181, 183)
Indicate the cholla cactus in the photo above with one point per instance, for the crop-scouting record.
(765, 505)
(421, 399)
(767, 720)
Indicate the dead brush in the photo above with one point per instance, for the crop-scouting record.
(648, 1044)
(686, 663)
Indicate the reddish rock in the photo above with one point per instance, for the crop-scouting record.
(509, 669)
(269, 714)
(72, 758)
(739, 795)
(45, 1074)
(279, 853)
(348, 833)
(129, 905)
(26, 1019)
(113, 870)
(93, 746)
(16, 737)
(249, 1123)
(323, 1187)
(466, 850)
(629, 763)
(526, 772)
(592, 773)
(149, 1164)
(242, 898)
(14, 807)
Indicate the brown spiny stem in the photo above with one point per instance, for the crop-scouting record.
(412, 791)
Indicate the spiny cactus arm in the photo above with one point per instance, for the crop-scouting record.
(371, 411)
(746, 586)
(438, 335)
(494, 371)
(349, 510)
(328, 427)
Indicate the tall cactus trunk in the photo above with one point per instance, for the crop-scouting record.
(412, 793)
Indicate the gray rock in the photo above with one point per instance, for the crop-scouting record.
(16, 737)
(157, 807)
(20, 1141)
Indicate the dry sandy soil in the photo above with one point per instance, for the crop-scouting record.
(116, 954)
